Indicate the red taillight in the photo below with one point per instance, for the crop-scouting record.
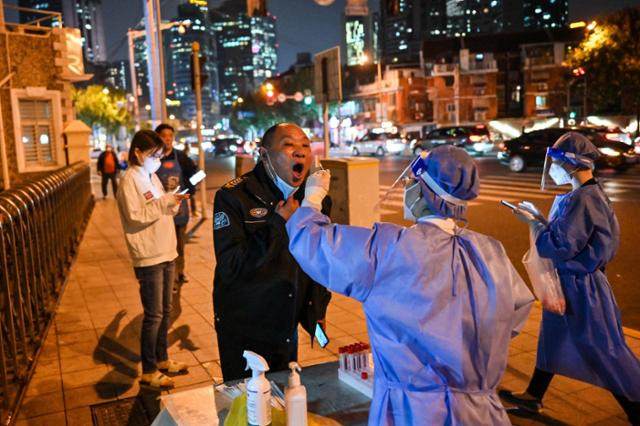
(475, 138)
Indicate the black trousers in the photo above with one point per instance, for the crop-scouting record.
(232, 346)
(114, 184)
(540, 383)
(181, 237)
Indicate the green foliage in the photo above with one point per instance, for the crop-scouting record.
(254, 112)
(97, 107)
(610, 54)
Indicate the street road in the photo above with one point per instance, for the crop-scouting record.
(487, 216)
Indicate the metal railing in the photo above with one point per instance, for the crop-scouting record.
(41, 224)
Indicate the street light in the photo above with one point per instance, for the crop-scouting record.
(592, 26)
(134, 34)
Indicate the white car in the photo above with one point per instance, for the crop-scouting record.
(379, 144)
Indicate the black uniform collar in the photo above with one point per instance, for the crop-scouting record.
(591, 181)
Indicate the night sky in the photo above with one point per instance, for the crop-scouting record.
(302, 25)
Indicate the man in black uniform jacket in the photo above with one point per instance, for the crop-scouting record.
(260, 294)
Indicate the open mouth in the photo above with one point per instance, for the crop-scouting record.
(297, 170)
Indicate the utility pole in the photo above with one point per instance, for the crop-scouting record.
(151, 15)
(134, 80)
(195, 49)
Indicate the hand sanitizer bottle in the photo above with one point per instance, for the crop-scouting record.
(258, 391)
(295, 398)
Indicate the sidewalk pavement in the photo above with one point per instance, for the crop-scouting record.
(91, 353)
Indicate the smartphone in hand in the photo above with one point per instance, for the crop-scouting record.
(320, 335)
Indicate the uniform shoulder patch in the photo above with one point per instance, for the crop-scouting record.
(220, 220)
(235, 182)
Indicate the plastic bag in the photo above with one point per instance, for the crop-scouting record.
(238, 415)
(544, 279)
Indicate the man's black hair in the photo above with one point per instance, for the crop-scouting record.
(164, 126)
(267, 138)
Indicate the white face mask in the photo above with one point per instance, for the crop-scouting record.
(559, 175)
(286, 189)
(410, 198)
(151, 164)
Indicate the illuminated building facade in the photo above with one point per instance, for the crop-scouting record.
(117, 75)
(83, 14)
(247, 51)
(177, 42)
(406, 23)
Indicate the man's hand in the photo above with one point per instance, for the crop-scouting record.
(316, 188)
(287, 209)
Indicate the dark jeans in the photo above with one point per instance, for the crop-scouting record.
(181, 236)
(540, 383)
(105, 180)
(156, 283)
(231, 346)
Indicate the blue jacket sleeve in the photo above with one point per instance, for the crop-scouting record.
(568, 233)
(339, 257)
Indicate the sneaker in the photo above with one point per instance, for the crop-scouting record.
(156, 380)
(522, 400)
(171, 366)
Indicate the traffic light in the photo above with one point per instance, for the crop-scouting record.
(269, 93)
(203, 75)
(579, 72)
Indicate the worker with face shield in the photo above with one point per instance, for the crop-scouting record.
(581, 236)
(441, 302)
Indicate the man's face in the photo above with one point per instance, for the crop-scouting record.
(167, 137)
(108, 148)
(290, 154)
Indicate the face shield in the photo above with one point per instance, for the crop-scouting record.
(552, 170)
(401, 181)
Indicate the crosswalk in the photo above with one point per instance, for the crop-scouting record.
(525, 186)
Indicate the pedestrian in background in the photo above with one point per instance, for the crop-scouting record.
(581, 237)
(108, 166)
(146, 213)
(175, 170)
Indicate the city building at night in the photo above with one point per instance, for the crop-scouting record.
(177, 42)
(117, 75)
(83, 14)
(177, 38)
(247, 50)
(503, 75)
(409, 22)
(358, 40)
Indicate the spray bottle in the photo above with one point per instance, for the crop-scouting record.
(258, 391)
(295, 398)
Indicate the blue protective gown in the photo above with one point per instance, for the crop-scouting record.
(587, 343)
(440, 310)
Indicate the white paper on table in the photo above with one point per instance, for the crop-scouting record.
(194, 407)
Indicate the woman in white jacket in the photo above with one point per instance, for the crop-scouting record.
(146, 212)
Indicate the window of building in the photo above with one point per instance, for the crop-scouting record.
(37, 122)
(541, 102)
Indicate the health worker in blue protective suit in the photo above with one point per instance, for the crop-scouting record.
(581, 237)
(441, 302)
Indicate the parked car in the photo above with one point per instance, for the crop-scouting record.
(611, 133)
(226, 145)
(476, 140)
(529, 149)
(379, 144)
